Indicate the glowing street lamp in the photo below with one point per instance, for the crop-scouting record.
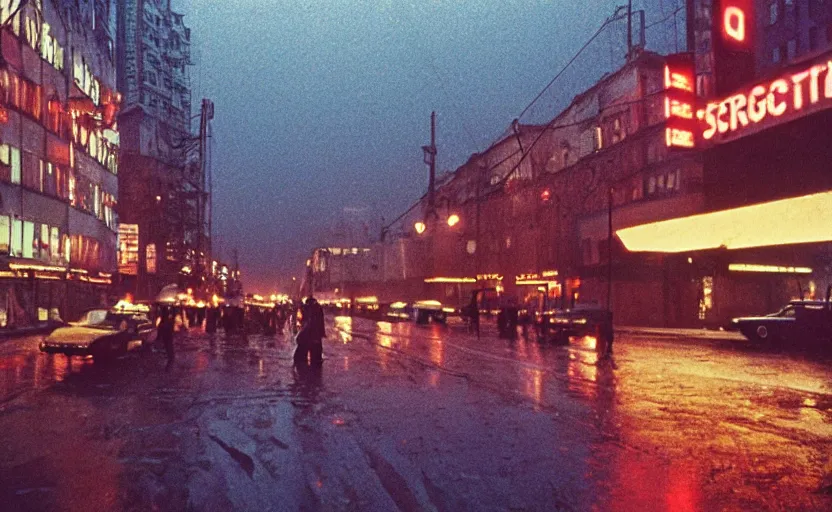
(453, 220)
(420, 227)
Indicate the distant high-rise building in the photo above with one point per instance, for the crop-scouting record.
(160, 155)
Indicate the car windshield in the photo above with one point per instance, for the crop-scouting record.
(102, 318)
(788, 311)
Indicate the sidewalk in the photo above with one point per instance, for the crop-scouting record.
(666, 332)
(39, 328)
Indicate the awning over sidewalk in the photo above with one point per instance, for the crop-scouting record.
(797, 220)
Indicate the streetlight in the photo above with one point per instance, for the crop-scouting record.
(420, 227)
(453, 220)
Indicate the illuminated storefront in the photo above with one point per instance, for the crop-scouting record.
(763, 236)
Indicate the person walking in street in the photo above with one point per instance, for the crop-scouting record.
(311, 334)
(166, 330)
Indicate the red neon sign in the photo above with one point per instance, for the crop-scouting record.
(679, 137)
(677, 79)
(677, 108)
(679, 102)
(736, 22)
(768, 103)
(733, 23)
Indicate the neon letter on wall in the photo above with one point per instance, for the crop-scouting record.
(733, 22)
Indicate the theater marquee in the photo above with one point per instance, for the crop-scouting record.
(801, 92)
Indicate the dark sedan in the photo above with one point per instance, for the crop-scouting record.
(585, 319)
(800, 320)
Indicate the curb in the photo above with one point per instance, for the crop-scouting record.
(704, 335)
(11, 334)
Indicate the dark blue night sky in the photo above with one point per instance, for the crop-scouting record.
(322, 106)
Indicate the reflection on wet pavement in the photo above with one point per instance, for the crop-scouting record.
(416, 417)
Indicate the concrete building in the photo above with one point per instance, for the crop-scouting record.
(761, 237)
(790, 31)
(58, 159)
(160, 157)
(530, 214)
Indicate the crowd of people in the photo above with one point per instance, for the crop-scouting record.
(304, 320)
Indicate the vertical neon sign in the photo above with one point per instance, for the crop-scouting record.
(679, 101)
(733, 43)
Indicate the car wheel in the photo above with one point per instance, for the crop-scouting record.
(762, 332)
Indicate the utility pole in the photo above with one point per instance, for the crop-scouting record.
(629, 29)
(430, 159)
(609, 249)
(478, 246)
(202, 197)
(236, 271)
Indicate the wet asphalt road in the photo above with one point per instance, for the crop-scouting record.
(417, 418)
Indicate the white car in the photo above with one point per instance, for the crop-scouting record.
(101, 333)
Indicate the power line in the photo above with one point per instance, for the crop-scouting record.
(551, 126)
(617, 15)
(609, 20)
(671, 15)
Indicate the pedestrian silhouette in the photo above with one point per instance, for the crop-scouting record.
(310, 337)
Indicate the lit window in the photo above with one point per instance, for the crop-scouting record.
(660, 182)
(150, 255)
(599, 139)
(55, 245)
(651, 185)
(17, 238)
(44, 243)
(775, 55)
(14, 162)
(773, 11)
(96, 197)
(28, 239)
(617, 130)
(638, 189)
(5, 234)
(671, 181)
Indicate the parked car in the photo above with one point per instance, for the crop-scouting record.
(799, 320)
(582, 320)
(399, 311)
(425, 311)
(101, 333)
